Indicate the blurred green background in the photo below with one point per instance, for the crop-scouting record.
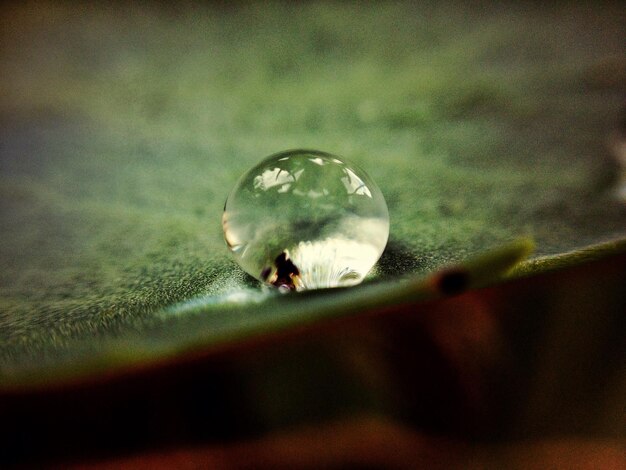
(123, 128)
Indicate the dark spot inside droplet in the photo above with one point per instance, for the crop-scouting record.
(286, 271)
(453, 281)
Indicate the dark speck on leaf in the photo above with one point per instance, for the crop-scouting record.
(453, 281)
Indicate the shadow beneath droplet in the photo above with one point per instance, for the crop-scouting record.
(399, 260)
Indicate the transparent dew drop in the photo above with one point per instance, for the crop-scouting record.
(305, 219)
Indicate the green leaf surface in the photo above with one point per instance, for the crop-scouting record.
(122, 131)
(204, 323)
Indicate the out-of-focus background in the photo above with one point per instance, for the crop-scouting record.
(124, 126)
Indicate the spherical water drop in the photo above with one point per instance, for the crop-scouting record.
(305, 219)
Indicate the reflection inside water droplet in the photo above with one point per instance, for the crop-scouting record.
(306, 219)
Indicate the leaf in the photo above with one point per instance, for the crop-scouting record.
(123, 130)
(202, 323)
(564, 260)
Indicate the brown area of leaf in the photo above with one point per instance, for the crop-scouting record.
(376, 443)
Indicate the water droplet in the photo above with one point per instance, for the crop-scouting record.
(305, 219)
